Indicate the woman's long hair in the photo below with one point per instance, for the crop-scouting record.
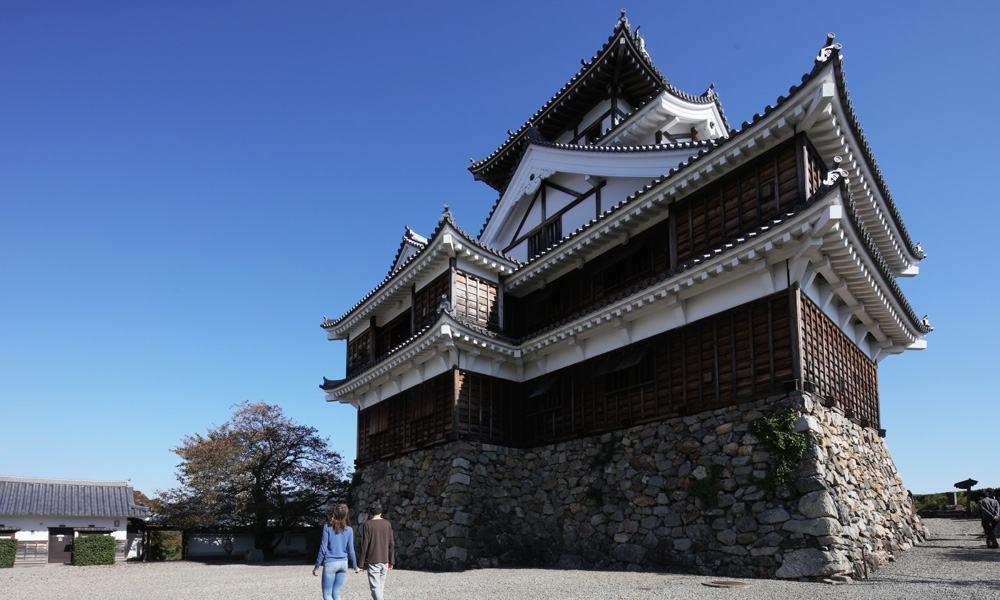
(341, 518)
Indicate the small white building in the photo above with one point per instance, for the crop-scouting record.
(46, 515)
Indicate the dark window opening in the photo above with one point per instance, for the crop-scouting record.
(549, 233)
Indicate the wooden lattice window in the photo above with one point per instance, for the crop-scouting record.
(427, 300)
(836, 367)
(549, 233)
(476, 300)
(359, 351)
(393, 334)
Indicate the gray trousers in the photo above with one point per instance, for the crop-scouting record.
(376, 579)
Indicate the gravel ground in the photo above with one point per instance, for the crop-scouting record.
(954, 564)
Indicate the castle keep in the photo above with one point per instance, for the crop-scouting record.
(578, 384)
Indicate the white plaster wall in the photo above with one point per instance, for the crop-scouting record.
(534, 218)
(211, 544)
(591, 117)
(556, 200)
(619, 188)
(36, 528)
(734, 292)
(580, 214)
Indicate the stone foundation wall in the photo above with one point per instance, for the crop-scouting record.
(680, 494)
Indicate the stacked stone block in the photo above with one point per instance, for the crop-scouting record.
(681, 494)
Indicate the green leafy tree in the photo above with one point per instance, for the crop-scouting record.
(260, 470)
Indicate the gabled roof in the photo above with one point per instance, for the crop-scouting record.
(623, 62)
(68, 497)
(411, 244)
(657, 187)
(408, 267)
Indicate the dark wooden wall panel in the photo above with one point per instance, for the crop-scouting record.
(359, 352)
(738, 203)
(744, 353)
(416, 418)
(836, 367)
(428, 299)
(476, 300)
(721, 360)
(488, 408)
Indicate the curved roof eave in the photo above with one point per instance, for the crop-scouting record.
(408, 269)
(634, 44)
(859, 133)
(735, 138)
(646, 150)
(421, 342)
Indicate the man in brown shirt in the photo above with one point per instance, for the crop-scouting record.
(378, 549)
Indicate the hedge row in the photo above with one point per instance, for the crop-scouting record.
(94, 550)
(8, 550)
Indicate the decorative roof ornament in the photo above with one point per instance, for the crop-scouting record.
(535, 180)
(827, 51)
(623, 21)
(446, 214)
(835, 174)
(641, 42)
(445, 305)
(413, 238)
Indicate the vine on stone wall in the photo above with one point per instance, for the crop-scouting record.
(777, 432)
(706, 489)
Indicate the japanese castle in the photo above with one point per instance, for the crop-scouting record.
(575, 382)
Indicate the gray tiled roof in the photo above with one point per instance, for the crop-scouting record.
(68, 497)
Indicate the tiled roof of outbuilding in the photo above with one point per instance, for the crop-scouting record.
(68, 497)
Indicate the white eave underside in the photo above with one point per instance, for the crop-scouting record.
(658, 113)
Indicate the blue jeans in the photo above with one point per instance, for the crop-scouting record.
(334, 572)
(376, 579)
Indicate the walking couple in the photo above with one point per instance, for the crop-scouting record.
(377, 551)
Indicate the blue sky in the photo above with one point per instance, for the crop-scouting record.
(186, 188)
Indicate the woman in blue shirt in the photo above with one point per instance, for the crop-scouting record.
(337, 545)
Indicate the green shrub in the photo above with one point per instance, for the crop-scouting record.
(165, 545)
(94, 550)
(707, 488)
(778, 434)
(930, 501)
(8, 550)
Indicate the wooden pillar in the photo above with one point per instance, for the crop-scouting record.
(795, 308)
(500, 320)
(801, 166)
(373, 337)
(413, 309)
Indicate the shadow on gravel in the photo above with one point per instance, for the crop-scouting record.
(214, 562)
(966, 554)
(977, 584)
